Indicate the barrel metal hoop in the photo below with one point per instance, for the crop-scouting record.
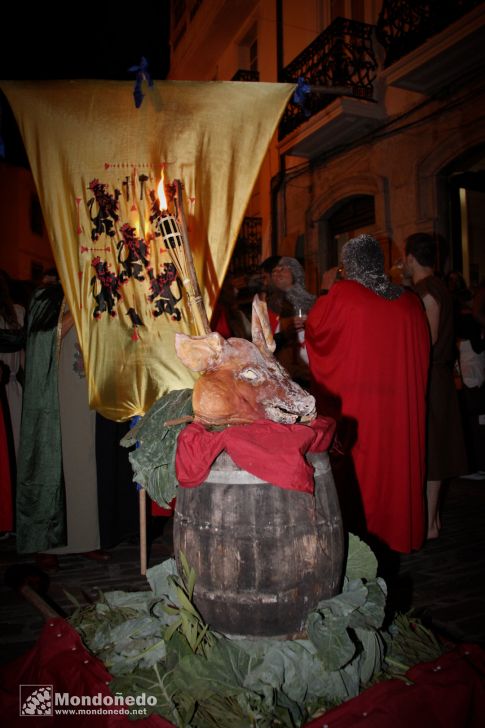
(320, 465)
(237, 477)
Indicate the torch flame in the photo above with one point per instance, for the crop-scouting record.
(161, 193)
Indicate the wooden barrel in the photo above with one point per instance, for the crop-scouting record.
(264, 556)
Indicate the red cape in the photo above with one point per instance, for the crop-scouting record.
(369, 360)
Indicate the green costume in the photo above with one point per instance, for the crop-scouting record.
(41, 519)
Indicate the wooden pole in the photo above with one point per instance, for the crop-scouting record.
(195, 297)
(202, 326)
(142, 505)
(37, 602)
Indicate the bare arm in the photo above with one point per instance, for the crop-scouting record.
(432, 309)
(67, 323)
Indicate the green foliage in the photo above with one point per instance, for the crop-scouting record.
(329, 635)
(111, 609)
(408, 643)
(156, 643)
(153, 460)
(361, 562)
(187, 619)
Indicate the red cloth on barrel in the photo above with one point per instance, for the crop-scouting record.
(269, 450)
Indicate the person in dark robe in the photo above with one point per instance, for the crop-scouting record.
(12, 342)
(368, 346)
(446, 454)
(117, 497)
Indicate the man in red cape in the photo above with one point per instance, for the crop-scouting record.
(369, 346)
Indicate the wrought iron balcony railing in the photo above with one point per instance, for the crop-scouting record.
(243, 74)
(404, 25)
(247, 252)
(342, 59)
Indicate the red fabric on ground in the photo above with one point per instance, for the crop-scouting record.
(449, 691)
(60, 659)
(269, 450)
(369, 360)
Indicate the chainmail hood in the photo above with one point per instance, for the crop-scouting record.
(296, 298)
(363, 260)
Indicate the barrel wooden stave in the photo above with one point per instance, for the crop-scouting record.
(264, 556)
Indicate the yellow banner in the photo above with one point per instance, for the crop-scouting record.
(97, 162)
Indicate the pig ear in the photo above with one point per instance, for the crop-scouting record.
(261, 333)
(199, 352)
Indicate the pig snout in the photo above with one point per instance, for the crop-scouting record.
(248, 385)
(284, 400)
(294, 408)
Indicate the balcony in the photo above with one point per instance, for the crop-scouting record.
(431, 43)
(341, 63)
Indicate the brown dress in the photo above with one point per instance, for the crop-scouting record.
(446, 454)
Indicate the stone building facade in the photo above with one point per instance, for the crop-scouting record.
(388, 135)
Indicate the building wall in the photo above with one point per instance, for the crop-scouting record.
(301, 24)
(24, 241)
(398, 164)
(399, 167)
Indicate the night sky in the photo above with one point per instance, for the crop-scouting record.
(83, 40)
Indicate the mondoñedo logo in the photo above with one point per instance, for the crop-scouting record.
(36, 700)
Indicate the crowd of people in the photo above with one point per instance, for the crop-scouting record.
(400, 366)
(64, 477)
(382, 357)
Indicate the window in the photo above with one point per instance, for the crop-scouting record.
(248, 50)
(355, 213)
(253, 55)
(349, 217)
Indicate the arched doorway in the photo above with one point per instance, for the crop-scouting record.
(461, 192)
(349, 217)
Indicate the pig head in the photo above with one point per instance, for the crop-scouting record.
(241, 380)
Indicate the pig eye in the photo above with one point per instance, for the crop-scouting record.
(248, 374)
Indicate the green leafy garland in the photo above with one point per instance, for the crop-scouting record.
(155, 642)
